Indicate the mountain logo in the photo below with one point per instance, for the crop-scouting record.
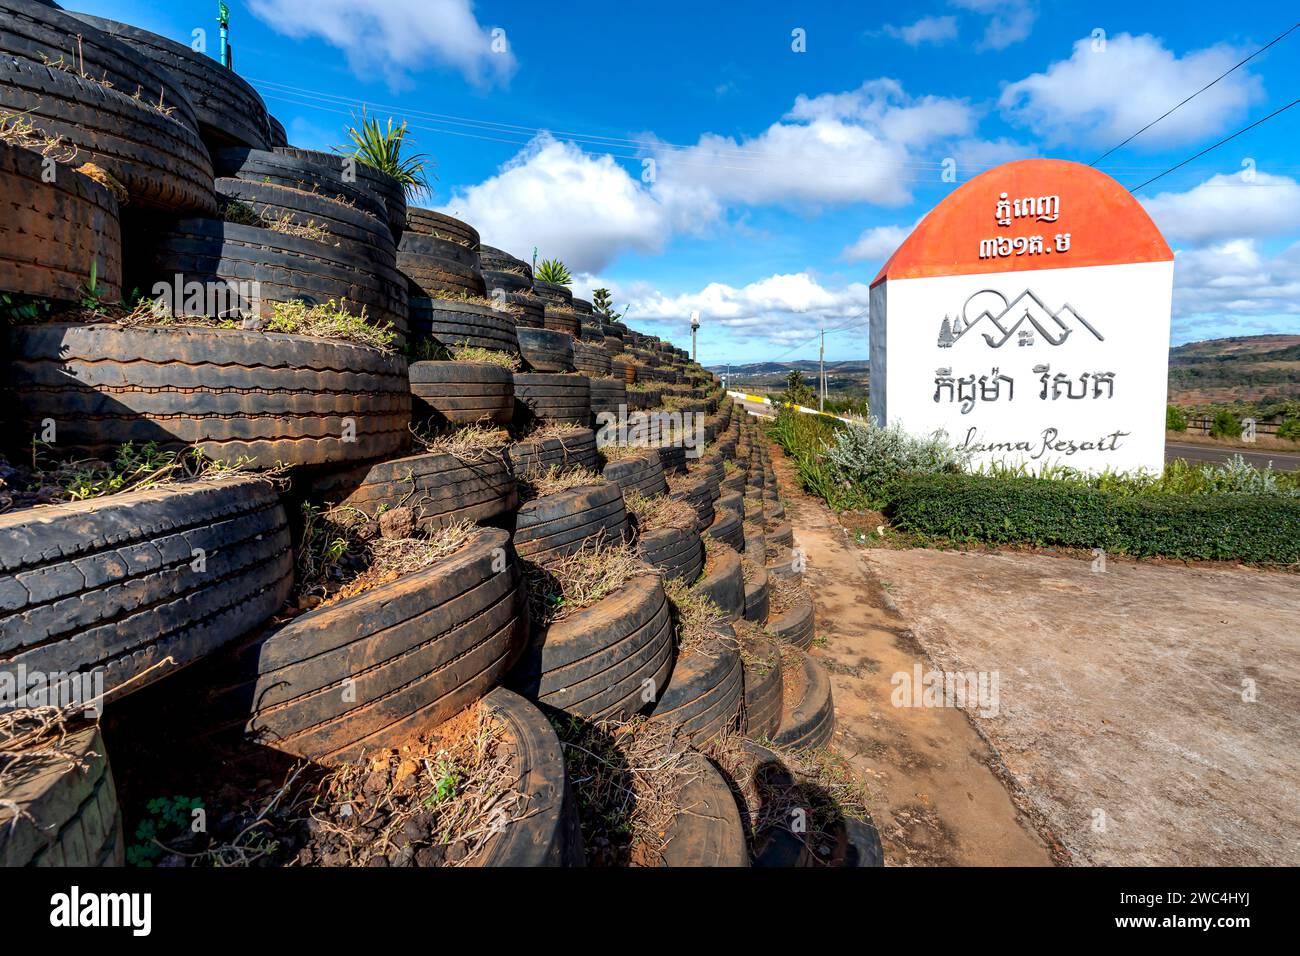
(1025, 318)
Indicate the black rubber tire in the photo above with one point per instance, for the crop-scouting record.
(386, 197)
(230, 112)
(764, 688)
(112, 586)
(365, 233)
(547, 833)
(427, 222)
(462, 393)
(440, 265)
(561, 319)
(510, 283)
(709, 471)
(545, 350)
(159, 160)
(552, 292)
(620, 365)
(613, 345)
(438, 488)
(755, 544)
(641, 473)
(728, 528)
(417, 650)
(552, 397)
(576, 451)
(41, 31)
(734, 483)
(452, 323)
(529, 314)
(288, 268)
(811, 722)
(590, 361)
(269, 397)
(723, 583)
(773, 510)
(695, 493)
(498, 260)
(797, 626)
(51, 232)
(60, 812)
(581, 306)
(607, 395)
(704, 696)
(673, 458)
(322, 173)
(597, 662)
(780, 536)
(276, 132)
(678, 553)
(783, 565)
(708, 831)
(558, 525)
(757, 591)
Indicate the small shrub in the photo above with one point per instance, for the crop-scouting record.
(1290, 429)
(1225, 425)
(1175, 419)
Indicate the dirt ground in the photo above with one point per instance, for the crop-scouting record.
(1146, 715)
(1151, 713)
(940, 795)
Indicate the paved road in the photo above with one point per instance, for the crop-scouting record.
(1282, 461)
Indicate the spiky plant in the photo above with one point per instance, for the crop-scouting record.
(603, 303)
(554, 271)
(382, 148)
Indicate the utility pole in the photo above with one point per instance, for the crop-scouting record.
(695, 327)
(223, 19)
(821, 401)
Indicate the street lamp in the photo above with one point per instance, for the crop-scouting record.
(695, 327)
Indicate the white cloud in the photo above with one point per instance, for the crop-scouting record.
(1228, 207)
(586, 209)
(1103, 95)
(925, 30)
(1233, 288)
(396, 37)
(864, 145)
(1010, 21)
(876, 244)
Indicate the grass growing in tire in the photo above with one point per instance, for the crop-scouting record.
(538, 483)
(563, 586)
(658, 513)
(701, 626)
(628, 776)
(469, 443)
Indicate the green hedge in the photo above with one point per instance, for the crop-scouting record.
(1261, 529)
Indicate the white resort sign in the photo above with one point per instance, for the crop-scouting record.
(1028, 317)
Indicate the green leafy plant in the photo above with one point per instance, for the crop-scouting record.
(603, 304)
(1226, 425)
(1175, 419)
(19, 309)
(168, 818)
(1290, 429)
(383, 148)
(797, 391)
(553, 271)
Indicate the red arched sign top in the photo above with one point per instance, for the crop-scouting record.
(1030, 214)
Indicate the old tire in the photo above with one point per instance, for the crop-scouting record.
(416, 651)
(161, 163)
(677, 552)
(529, 314)
(708, 830)
(54, 812)
(810, 722)
(728, 529)
(607, 395)
(306, 170)
(577, 449)
(547, 833)
(440, 265)
(640, 473)
(763, 688)
(385, 196)
(51, 233)
(269, 397)
(757, 591)
(552, 292)
(230, 112)
(114, 585)
(451, 324)
(438, 488)
(558, 525)
(427, 222)
(462, 393)
(704, 696)
(552, 397)
(723, 583)
(696, 494)
(596, 662)
(287, 268)
(546, 350)
(796, 625)
(590, 361)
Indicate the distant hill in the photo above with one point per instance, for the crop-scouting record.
(1247, 368)
(783, 368)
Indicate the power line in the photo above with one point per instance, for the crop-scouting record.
(1194, 95)
(1216, 145)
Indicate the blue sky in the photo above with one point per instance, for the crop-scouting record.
(687, 157)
